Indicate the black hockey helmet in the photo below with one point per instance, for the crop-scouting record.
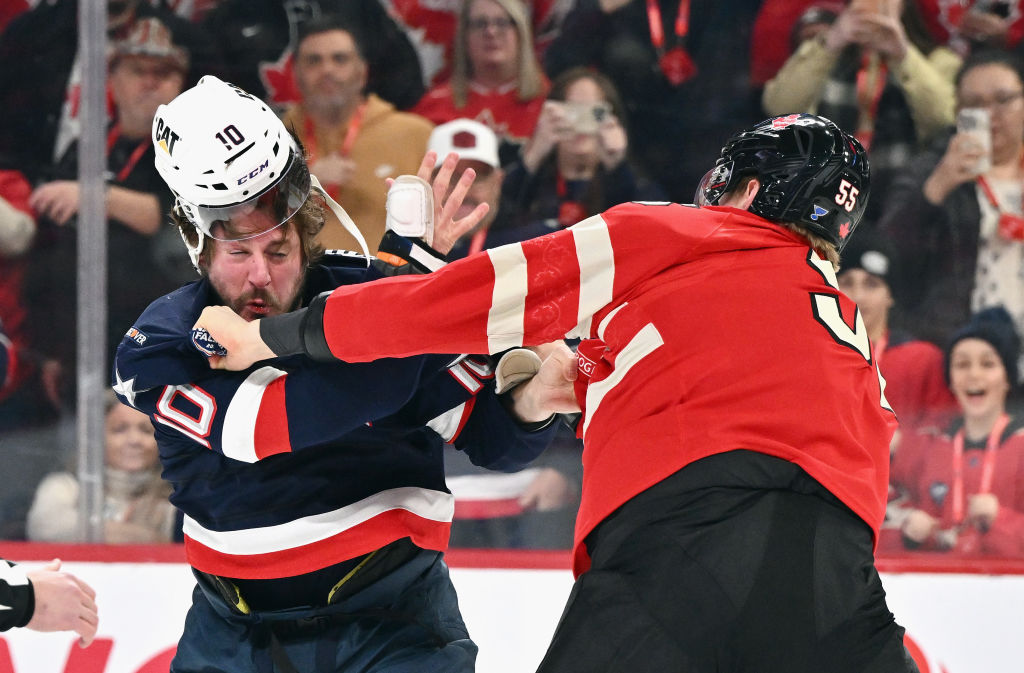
(811, 173)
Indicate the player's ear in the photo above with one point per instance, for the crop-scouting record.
(742, 195)
(748, 194)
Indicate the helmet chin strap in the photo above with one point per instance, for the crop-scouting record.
(342, 216)
(346, 221)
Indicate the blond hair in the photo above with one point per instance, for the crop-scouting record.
(825, 248)
(530, 80)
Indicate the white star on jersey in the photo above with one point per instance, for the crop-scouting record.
(125, 389)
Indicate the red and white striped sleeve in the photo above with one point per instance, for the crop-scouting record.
(520, 294)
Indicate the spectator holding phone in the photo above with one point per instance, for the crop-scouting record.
(956, 215)
(575, 164)
(970, 26)
(876, 72)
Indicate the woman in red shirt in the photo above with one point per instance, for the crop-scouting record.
(965, 485)
(496, 77)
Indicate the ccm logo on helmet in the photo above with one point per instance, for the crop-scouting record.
(254, 172)
(164, 136)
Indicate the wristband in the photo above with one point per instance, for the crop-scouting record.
(283, 333)
(397, 250)
(300, 332)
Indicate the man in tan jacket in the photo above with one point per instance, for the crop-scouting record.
(354, 141)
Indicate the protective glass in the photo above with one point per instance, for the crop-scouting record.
(713, 184)
(260, 214)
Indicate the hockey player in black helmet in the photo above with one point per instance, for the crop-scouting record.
(735, 427)
(811, 173)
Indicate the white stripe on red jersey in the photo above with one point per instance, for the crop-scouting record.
(508, 301)
(596, 260)
(646, 341)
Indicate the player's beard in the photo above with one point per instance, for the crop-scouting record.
(260, 303)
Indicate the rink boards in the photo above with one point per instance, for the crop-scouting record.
(962, 617)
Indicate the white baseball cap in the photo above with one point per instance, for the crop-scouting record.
(469, 139)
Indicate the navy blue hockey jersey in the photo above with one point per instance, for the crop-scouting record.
(292, 466)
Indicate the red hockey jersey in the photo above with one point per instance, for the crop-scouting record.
(714, 330)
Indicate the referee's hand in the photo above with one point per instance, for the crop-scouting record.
(63, 603)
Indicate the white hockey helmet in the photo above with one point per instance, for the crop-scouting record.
(235, 170)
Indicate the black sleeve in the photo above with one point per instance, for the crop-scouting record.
(300, 332)
(17, 599)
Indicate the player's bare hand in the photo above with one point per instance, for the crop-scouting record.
(63, 603)
(551, 390)
(240, 338)
(57, 200)
(448, 226)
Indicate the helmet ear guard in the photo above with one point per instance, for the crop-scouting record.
(716, 183)
(811, 173)
(191, 235)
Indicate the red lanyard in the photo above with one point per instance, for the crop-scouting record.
(990, 195)
(657, 27)
(112, 135)
(570, 211)
(871, 99)
(987, 468)
(351, 132)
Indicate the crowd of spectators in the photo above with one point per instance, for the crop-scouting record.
(564, 108)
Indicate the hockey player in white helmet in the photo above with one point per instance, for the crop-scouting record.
(236, 174)
(315, 508)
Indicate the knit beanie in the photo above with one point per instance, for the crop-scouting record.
(995, 326)
(870, 252)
